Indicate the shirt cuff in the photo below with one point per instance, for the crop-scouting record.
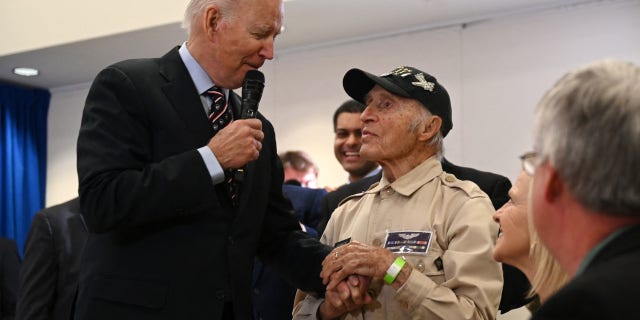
(412, 293)
(307, 308)
(213, 166)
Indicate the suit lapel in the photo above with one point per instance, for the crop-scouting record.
(187, 106)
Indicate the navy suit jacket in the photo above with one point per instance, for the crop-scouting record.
(516, 286)
(609, 288)
(165, 242)
(49, 272)
(306, 203)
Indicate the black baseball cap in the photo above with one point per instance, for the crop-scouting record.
(406, 82)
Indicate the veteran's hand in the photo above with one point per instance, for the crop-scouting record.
(349, 294)
(355, 258)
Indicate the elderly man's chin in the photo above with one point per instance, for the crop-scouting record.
(368, 153)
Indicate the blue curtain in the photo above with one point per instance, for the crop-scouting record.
(23, 158)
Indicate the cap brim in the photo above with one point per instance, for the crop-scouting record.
(357, 84)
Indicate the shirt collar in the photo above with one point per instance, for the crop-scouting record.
(200, 78)
(414, 179)
(595, 250)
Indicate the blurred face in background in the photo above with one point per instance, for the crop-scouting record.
(512, 245)
(347, 143)
(307, 179)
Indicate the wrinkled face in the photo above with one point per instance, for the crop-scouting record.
(307, 179)
(512, 244)
(346, 145)
(389, 131)
(244, 41)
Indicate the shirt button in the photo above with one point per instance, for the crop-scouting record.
(449, 178)
(377, 242)
(420, 266)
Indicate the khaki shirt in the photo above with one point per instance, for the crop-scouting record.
(456, 278)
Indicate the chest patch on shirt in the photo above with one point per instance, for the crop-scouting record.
(408, 242)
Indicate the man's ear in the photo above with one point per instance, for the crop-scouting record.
(554, 185)
(211, 19)
(431, 128)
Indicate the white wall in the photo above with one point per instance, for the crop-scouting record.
(65, 112)
(495, 72)
(58, 22)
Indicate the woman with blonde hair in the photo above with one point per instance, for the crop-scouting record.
(518, 245)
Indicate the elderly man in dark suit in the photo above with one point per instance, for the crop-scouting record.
(49, 272)
(585, 194)
(172, 237)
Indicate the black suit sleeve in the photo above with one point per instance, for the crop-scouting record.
(38, 275)
(325, 211)
(499, 192)
(297, 256)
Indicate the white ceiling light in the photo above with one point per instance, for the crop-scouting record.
(26, 72)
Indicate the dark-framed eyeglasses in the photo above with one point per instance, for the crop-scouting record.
(529, 162)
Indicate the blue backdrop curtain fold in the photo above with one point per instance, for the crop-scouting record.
(23, 158)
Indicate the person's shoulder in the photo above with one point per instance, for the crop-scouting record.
(299, 191)
(358, 194)
(59, 215)
(8, 245)
(136, 66)
(475, 175)
(359, 186)
(70, 207)
(467, 187)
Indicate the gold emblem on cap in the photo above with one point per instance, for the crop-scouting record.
(399, 72)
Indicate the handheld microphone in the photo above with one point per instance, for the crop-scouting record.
(252, 87)
(251, 93)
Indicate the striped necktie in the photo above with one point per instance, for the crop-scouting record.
(220, 116)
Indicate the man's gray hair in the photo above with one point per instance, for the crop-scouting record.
(196, 7)
(588, 126)
(437, 140)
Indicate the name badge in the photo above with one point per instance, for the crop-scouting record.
(408, 242)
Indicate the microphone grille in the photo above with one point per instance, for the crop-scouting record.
(254, 75)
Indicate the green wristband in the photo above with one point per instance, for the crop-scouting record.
(394, 270)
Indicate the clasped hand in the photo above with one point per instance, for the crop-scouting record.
(347, 272)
